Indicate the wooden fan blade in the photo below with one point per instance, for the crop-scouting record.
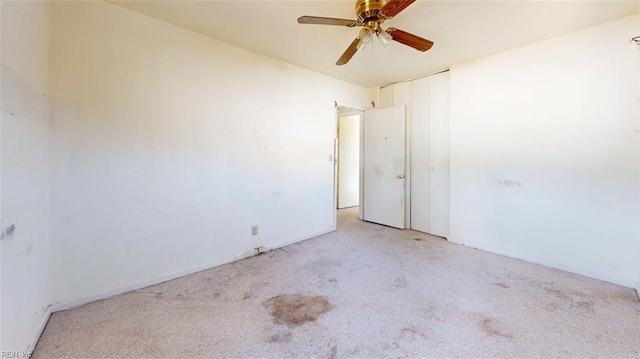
(411, 40)
(393, 7)
(325, 21)
(349, 52)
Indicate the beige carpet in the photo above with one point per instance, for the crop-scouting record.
(364, 291)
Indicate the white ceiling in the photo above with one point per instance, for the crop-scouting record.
(461, 30)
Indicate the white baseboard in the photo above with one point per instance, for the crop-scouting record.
(546, 263)
(287, 243)
(56, 307)
(43, 323)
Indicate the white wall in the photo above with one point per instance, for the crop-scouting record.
(544, 152)
(24, 174)
(167, 146)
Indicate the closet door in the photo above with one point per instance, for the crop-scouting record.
(420, 154)
(386, 97)
(402, 97)
(439, 154)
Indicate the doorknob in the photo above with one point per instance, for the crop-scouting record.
(400, 176)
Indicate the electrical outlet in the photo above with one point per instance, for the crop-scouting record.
(254, 230)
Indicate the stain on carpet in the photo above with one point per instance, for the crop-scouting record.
(411, 332)
(334, 352)
(322, 266)
(626, 294)
(491, 329)
(280, 338)
(296, 309)
(584, 307)
(400, 282)
(502, 285)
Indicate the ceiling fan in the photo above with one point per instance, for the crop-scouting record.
(370, 15)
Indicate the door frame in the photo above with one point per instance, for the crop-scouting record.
(343, 143)
(339, 111)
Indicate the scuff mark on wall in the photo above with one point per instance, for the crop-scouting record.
(22, 99)
(8, 232)
(510, 183)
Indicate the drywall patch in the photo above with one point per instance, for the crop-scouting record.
(295, 309)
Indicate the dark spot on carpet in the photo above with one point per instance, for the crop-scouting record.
(585, 307)
(400, 282)
(296, 309)
(334, 352)
(411, 332)
(411, 329)
(490, 328)
(627, 294)
(502, 285)
(280, 338)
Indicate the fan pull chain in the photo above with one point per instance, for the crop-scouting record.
(371, 72)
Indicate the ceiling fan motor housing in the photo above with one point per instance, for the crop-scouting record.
(368, 10)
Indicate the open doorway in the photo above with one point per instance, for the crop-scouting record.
(348, 161)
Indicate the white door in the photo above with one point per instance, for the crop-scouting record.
(384, 166)
(348, 161)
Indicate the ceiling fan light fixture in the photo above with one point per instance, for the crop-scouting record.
(365, 35)
(384, 37)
